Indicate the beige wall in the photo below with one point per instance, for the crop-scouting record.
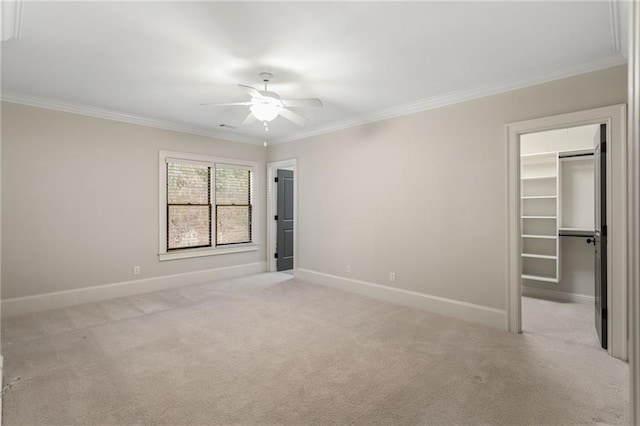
(424, 195)
(80, 200)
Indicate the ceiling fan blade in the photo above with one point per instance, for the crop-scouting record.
(226, 104)
(292, 116)
(307, 102)
(251, 91)
(249, 120)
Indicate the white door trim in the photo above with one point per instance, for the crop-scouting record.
(272, 208)
(634, 211)
(615, 118)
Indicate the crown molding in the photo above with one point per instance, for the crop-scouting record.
(58, 105)
(614, 15)
(11, 19)
(620, 24)
(527, 80)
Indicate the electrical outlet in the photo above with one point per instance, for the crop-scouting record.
(392, 277)
(136, 270)
(348, 268)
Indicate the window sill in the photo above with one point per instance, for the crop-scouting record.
(185, 254)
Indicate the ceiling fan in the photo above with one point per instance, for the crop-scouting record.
(265, 106)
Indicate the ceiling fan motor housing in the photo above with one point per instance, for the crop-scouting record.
(265, 76)
(269, 94)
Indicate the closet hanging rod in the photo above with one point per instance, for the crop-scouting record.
(562, 234)
(582, 154)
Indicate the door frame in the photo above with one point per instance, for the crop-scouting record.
(272, 208)
(634, 210)
(615, 118)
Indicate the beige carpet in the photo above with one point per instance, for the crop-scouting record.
(569, 322)
(270, 349)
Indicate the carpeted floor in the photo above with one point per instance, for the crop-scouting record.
(270, 349)
(568, 322)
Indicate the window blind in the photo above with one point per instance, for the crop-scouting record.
(233, 205)
(188, 206)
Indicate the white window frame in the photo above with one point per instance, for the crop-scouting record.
(204, 160)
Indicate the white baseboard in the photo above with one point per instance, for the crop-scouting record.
(559, 296)
(62, 299)
(440, 305)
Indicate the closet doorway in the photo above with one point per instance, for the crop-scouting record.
(563, 231)
(282, 213)
(552, 199)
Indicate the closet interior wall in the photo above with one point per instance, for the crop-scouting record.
(558, 193)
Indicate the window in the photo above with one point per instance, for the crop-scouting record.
(188, 206)
(233, 205)
(205, 206)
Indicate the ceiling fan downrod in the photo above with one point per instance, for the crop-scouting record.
(266, 77)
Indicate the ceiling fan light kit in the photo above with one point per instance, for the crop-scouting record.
(265, 109)
(265, 106)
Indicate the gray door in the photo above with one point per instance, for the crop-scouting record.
(284, 218)
(600, 161)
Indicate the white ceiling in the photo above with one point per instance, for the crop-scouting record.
(155, 62)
